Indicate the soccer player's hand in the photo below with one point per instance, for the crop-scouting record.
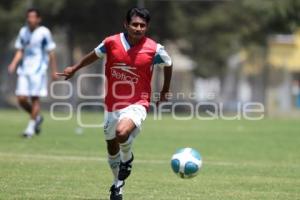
(12, 68)
(68, 72)
(54, 76)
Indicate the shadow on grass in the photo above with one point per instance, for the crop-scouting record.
(92, 198)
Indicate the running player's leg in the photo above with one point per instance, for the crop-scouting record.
(38, 89)
(35, 114)
(113, 157)
(22, 92)
(123, 133)
(113, 151)
(120, 128)
(115, 154)
(24, 103)
(124, 129)
(127, 128)
(35, 107)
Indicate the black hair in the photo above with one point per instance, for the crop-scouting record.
(140, 12)
(35, 10)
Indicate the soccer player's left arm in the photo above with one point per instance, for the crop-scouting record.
(166, 85)
(50, 47)
(162, 59)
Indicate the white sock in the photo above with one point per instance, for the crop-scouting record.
(38, 117)
(120, 184)
(125, 148)
(114, 162)
(30, 127)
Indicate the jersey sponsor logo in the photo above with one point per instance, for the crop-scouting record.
(127, 72)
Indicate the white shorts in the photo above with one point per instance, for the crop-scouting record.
(32, 85)
(137, 113)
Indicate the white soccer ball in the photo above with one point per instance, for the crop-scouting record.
(186, 162)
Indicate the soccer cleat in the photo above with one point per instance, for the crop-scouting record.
(38, 122)
(116, 192)
(26, 135)
(125, 169)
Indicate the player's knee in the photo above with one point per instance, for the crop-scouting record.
(122, 133)
(22, 99)
(35, 99)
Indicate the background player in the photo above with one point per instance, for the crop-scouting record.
(130, 59)
(35, 47)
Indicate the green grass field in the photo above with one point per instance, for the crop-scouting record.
(243, 160)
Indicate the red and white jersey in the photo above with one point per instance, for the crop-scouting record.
(128, 70)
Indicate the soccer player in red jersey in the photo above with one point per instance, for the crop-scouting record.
(130, 58)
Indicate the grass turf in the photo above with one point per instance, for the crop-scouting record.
(243, 160)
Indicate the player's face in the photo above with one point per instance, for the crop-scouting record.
(33, 20)
(137, 27)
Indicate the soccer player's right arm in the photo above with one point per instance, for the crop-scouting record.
(18, 55)
(17, 58)
(91, 57)
(85, 61)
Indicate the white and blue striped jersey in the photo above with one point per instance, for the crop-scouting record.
(161, 58)
(35, 46)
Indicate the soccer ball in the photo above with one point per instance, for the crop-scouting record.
(186, 162)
